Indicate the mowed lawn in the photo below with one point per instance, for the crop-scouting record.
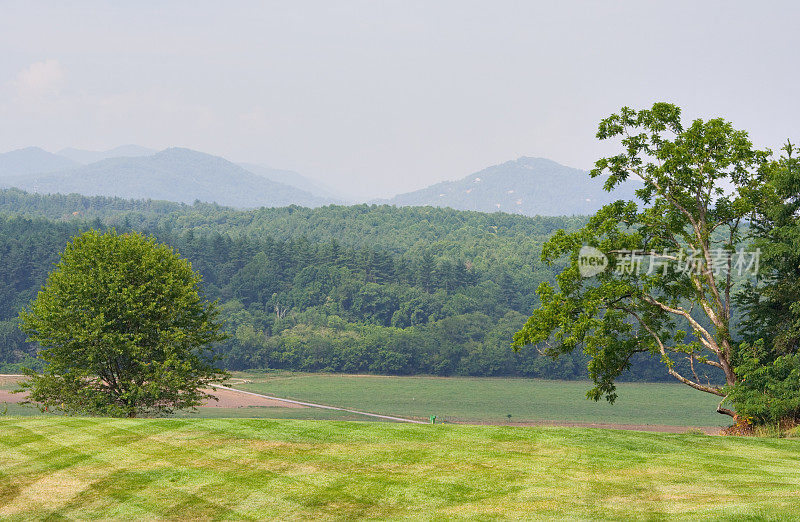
(476, 399)
(196, 469)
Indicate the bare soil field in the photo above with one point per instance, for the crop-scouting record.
(227, 398)
(11, 398)
(234, 399)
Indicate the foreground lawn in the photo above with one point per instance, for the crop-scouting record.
(59, 467)
(478, 399)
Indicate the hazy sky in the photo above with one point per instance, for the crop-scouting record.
(382, 97)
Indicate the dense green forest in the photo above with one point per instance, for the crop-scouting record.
(378, 289)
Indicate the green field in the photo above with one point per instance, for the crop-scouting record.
(493, 399)
(59, 468)
(461, 399)
(260, 412)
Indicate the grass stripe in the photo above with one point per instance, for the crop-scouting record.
(82, 468)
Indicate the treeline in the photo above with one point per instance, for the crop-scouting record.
(349, 289)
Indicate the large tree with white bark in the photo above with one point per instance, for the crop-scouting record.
(671, 259)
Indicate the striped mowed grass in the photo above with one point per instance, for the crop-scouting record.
(195, 469)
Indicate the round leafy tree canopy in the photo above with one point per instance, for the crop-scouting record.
(124, 329)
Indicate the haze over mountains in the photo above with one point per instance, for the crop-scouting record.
(528, 186)
(32, 160)
(294, 179)
(90, 156)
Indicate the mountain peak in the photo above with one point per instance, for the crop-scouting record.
(191, 156)
(533, 161)
(174, 174)
(29, 150)
(527, 185)
(181, 150)
(31, 160)
(91, 156)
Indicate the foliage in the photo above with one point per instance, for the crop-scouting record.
(685, 218)
(372, 288)
(769, 362)
(321, 298)
(124, 329)
(768, 392)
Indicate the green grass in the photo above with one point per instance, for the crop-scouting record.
(466, 399)
(18, 409)
(88, 468)
(492, 399)
(262, 412)
(251, 412)
(8, 383)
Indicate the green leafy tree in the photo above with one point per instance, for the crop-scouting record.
(124, 330)
(699, 184)
(768, 362)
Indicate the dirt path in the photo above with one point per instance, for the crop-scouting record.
(230, 398)
(12, 398)
(324, 407)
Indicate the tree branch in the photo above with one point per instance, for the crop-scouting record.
(707, 339)
(670, 370)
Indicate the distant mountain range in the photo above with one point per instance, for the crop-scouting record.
(32, 160)
(528, 186)
(174, 174)
(294, 179)
(90, 156)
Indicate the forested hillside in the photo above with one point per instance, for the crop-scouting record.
(352, 289)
